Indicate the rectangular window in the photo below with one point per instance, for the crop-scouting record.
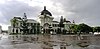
(53, 25)
(63, 47)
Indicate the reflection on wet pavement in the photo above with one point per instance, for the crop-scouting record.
(49, 42)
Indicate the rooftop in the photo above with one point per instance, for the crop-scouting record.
(45, 12)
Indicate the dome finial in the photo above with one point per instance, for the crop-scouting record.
(44, 7)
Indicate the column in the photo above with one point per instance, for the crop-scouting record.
(18, 30)
(14, 30)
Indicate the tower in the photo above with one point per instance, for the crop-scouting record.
(45, 17)
(25, 16)
(45, 20)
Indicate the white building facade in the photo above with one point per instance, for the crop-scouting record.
(47, 23)
(33, 26)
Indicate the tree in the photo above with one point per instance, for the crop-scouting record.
(24, 24)
(84, 28)
(24, 27)
(81, 28)
(38, 28)
(64, 31)
(58, 31)
(61, 22)
(96, 29)
(14, 21)
(74, 28)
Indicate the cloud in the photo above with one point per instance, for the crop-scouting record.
(82, 11)
(16, 8)
(9, 9)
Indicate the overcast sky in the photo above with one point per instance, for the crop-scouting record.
(81, 11)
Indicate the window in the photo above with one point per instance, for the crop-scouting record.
(62, 47)
(53, 25)
(28, 24)
(31, 24)
(38, 24)
(16, 30)
(34, 24)
(13, 30)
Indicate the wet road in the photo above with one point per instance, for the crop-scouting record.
(49, 41)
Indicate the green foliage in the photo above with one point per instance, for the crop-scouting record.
(74, 28)
(14, 22)
(96, 29)
(24, 27)
(64, 31)
(81, 28)
(14, 33)
(58, 31)
(84, 28)
(61, 22)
